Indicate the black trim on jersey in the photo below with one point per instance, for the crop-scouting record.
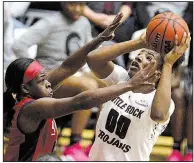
(27, 149)
(19, 114)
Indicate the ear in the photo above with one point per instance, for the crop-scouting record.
(157, 74)
(24, 88)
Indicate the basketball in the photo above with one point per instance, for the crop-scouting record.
(161, 31)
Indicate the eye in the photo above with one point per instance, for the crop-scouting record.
(41, 80)
(149, 58)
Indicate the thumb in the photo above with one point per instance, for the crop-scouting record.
(110, 37)
(146, 83)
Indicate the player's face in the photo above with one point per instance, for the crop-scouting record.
(40, 87)
(73, 10)
(142, 60)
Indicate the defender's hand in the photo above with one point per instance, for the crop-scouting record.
(108, 33)
(140, 79)
(178, 51)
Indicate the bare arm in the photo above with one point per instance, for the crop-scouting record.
(162, 99)
(34, 35)
(74, 62)
(99, 60)
(54, 108)
(103, 20)
(45, 108)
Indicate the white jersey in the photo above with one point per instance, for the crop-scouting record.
(125, 131)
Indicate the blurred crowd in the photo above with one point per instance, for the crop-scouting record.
(52, 31)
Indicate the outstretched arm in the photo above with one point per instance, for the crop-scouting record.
(99, 60)
(45, 108)
(162, 98)
(74, 62)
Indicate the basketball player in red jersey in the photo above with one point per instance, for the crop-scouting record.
(33, 130)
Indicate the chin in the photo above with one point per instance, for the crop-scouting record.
(75, 18)
(132, 73)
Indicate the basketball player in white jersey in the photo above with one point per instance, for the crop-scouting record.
(129, 125)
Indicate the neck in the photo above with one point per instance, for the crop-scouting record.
(67, 17)
(22, 96)
(146, 89)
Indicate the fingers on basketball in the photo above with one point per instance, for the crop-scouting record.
(184, 38)
(162, 29)
(175, 44)
(147, 83)
(188, 40)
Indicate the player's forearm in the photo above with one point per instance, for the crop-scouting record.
(162, 98)
(89, 99)
(109, 53)
(54, 108)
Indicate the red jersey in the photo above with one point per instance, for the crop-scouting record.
(29, 146)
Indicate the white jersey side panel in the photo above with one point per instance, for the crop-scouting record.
(125, 131)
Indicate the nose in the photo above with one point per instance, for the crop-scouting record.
(139, 58)
(48, 84)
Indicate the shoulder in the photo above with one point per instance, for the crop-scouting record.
(26, 117)
(120, 70)
(54, 19)
(24, 102)
(119, 74)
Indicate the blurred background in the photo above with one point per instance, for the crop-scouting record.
(51, 31)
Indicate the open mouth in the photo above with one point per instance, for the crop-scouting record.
(51, 94)
(135, 65)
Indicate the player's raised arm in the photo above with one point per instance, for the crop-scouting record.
(74, 62)
(45, 108)
(162, 99)
(99, 60)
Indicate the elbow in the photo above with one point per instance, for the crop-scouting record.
(158, 116)
(90, 59)
(82, 103)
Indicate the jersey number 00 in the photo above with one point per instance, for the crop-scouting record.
(122, 124)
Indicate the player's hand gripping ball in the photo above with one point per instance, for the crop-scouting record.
(161, 31)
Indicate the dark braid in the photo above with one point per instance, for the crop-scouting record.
(13, 80)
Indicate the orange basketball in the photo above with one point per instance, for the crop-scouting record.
(161, 31)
